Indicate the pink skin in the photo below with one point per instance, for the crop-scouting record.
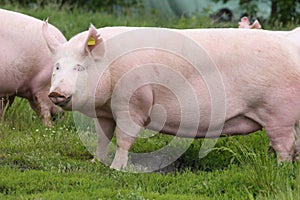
(293, 35)
(262, 87)
(26, 63)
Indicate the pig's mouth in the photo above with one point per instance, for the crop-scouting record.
(65, 103)
(59, 99)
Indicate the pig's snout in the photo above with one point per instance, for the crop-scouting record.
(59, 99)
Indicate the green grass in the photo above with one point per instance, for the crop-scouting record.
(37, 162)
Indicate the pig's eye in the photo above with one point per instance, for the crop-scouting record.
(79, 68)
(57, 66)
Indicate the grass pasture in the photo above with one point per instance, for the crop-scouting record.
(38, 162)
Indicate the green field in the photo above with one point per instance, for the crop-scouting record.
(38, 162)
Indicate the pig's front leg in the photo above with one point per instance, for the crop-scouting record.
(42, 106)
(130, 122)
(105, 131)
(124, 142)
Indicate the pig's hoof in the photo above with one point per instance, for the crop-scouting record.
(94, 160)
(117, 166)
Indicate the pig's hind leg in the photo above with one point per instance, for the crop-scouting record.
(282, 140)
(297, 142)
(280, 123)
(105, 130)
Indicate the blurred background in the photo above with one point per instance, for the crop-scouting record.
(274, 12)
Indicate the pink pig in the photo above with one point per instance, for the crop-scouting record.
(245, 23)
(241, 86)
(25, 63)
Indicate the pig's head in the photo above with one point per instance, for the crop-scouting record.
(71, 63)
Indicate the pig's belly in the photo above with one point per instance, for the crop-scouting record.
(9, 90)
(10, 85)
(4, 92)
(239, 125)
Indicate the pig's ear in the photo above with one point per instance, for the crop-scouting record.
(256, 25)
(51, 41)
(93, 40)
